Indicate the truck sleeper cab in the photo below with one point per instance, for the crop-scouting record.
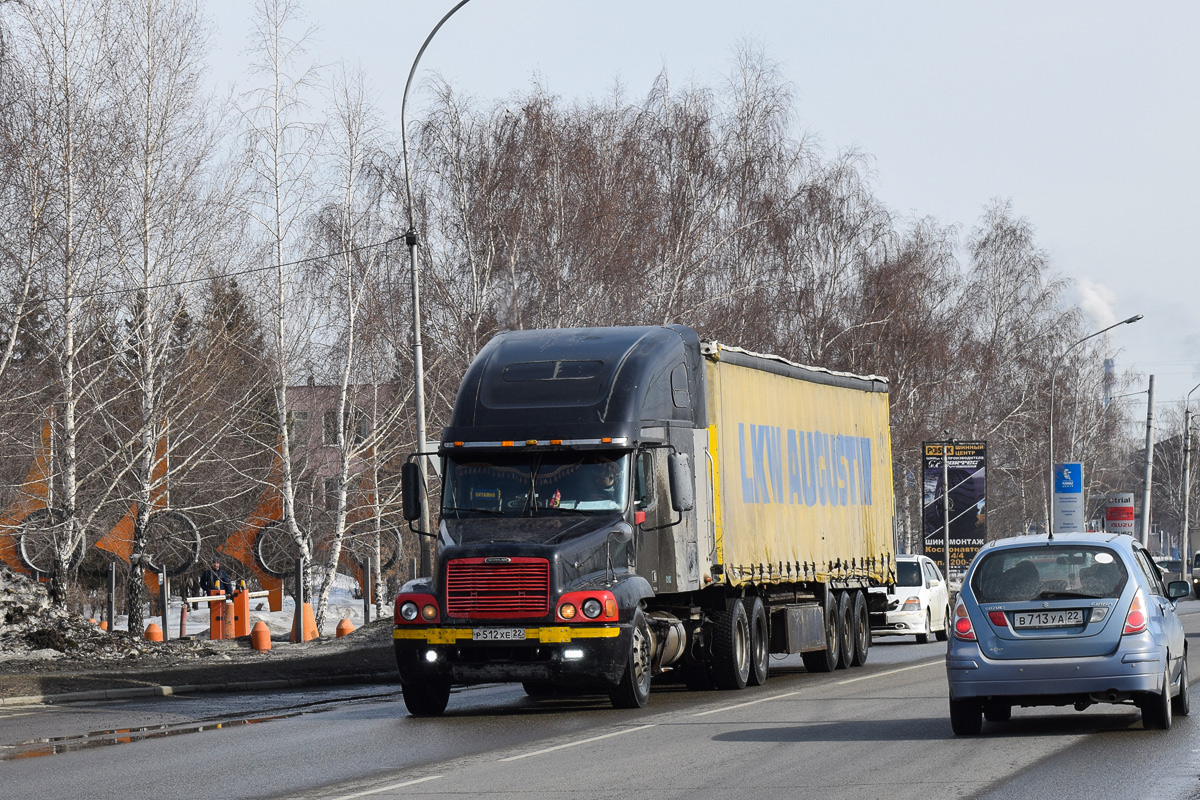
(579, 541)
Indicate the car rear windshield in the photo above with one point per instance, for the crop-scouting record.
(1048, 572)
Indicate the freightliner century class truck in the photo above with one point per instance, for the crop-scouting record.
(622, 502)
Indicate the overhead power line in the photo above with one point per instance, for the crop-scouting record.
(234, 274)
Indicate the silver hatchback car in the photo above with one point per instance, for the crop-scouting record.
(1073, 619)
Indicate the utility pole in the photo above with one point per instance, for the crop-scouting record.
(1145, 534)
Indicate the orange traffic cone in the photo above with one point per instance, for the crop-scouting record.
(344, 626)
(260, 636)
(153, 632)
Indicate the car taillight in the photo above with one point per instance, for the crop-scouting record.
(962, 623)
(998, 618)
(1135, 620)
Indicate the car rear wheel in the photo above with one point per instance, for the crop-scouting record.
(1181, 705)
(923, 638)
(966, 716)
(997, 711)
(1156, 708)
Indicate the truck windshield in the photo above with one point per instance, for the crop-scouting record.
(529, 484)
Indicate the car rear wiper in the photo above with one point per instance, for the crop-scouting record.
(1051, 594)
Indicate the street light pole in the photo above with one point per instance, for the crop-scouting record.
(1185, 545)
(410, 238)
(946, 498)
(1050, 438)
(1148, 476)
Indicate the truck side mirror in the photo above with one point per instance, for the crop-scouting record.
(412, 489)
(679, 475)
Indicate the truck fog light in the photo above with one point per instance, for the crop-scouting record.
(431, 656)
(573, 654)
(429, 611)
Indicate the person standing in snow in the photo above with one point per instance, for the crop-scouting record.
(215, 577)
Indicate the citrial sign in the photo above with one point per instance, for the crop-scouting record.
(1119, 513)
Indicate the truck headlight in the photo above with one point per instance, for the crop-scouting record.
(592, 608)
(408, 610)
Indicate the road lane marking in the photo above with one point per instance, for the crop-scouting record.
(890, 672)
(413, 782)
(575, 744)
(799, 691)
(748, 703)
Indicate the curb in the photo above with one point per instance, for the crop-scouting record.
(168, 691)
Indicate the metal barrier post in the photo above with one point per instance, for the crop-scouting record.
(112, 594)
(216, 615)
(164, 598)
(241, 611)
(298, 620)
(367, 591)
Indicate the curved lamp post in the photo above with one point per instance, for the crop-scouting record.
(1053, 370)
(1185, 548)
(410, 238)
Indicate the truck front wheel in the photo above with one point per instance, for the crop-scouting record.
(633, 691)
(426, 698)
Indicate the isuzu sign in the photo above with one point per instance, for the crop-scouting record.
(1119, 513)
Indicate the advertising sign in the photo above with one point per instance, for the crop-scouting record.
(1069, 514)
(966, 465)
(1118, 513)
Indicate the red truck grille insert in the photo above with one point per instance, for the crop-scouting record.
(518, 588)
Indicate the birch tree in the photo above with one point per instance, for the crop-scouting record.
(281, 146)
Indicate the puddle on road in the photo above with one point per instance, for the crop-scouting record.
(67, 744)
(51, 746)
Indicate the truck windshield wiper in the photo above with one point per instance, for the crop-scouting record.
(491, 511)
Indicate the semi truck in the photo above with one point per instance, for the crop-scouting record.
(622, 503)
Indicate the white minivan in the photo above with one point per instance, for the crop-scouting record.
(919, 603)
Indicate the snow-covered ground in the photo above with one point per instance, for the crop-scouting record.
(342, 605)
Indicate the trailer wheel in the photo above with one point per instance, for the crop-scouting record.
(760, 644)
(826, 659)
(845, 624)
(862, 630)
(426, 698)
(633, 691)
(731, 646)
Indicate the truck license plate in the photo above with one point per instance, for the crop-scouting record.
(498, 634)
(1048, 619)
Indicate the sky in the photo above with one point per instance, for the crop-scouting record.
(1082, 114)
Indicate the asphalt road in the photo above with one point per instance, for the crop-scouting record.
(878, 731)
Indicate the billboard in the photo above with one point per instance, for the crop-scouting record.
(1119, 514)
(966, 465)
(1069, 513)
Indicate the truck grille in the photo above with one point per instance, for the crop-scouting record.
(518, 588)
